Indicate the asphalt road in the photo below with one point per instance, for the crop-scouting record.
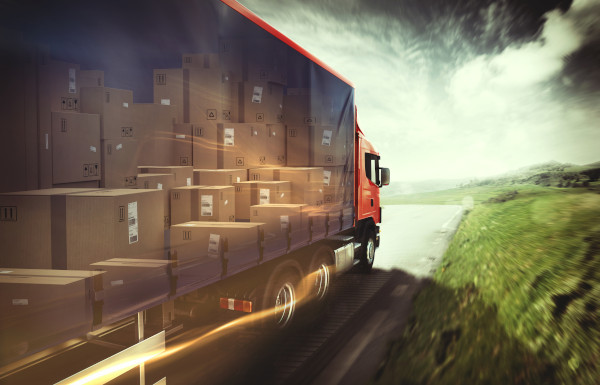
(413, 241)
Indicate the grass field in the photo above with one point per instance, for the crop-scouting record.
(517, 297)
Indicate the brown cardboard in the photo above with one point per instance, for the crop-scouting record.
(315, 146)
(184, 175)
(224, 177)
(302, 179)
(205, 87)
(91, 78)
(229, 98)
(285, 225)
(182, 144)
(200, 60)
(58, 90)
(163, 182)
(261, 102)
(207, 251)
(231, 57)
(26, 226)
(132, 285)
(154, 130)
(75, 147)
(303, 106)
(104, 224)
(267, 60)
(204, 145)
(255, 193)
(115, 109)
(215, 203)
(34, 305)
(262, 173)
(276, 145)
(184, 204)
(241, 145)
(170, 85)
(19, 133)
(119, 163)
(95, 184)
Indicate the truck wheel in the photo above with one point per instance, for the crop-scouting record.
(279, 300)
(367, 252)
(321, 271)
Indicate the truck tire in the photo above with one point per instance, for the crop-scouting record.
(367, 256)
(321, 275)
(280, 299)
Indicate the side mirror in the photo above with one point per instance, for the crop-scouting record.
(385, 176)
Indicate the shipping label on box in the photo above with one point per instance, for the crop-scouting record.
(261, 102)
(216, 203)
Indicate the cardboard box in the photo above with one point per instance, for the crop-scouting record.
(184, 175)
(169, 85)
(163, 182)
(334, 217)
(107, 224)
(305, 106)
(224, 177)
(200, 60)
(115, 109)
(40, 308)
(119, 163)
(276, 145)
(182, 144)
(185, 203)
(261, 102)
(267, 60)
(316, 146)
(302, 179)
(257, 193)
(19, 133)
(204, 145)
(205, 88)
(154, 126)
(241, 145)
(262, 173)
(94, 184)
(131, 285)
(230, 97)
(58, 90)
(91, 78)
(231, 57)
(208, 251)
(286, 227)
(26, 228)
(215, 204)
(75, 147)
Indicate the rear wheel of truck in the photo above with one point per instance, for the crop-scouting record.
(280, 299)
(367, 252)
(321, 274)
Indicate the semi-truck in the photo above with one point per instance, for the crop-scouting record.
(167, 160)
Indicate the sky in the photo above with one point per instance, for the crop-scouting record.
(460, 89)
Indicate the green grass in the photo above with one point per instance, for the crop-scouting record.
(455, 196)
(516, 299)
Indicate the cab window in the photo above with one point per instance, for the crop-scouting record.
(371, 166)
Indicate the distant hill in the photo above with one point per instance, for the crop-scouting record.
(545, 174)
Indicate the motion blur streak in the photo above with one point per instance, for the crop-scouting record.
(303, 295)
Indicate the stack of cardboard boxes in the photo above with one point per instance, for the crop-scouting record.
(225, 141)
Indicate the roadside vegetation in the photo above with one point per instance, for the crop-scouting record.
(516, 299)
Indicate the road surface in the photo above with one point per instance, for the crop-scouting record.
(413, 239)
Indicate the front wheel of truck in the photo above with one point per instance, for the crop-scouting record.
(367, 252)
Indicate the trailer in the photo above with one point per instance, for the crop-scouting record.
(168, 160)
